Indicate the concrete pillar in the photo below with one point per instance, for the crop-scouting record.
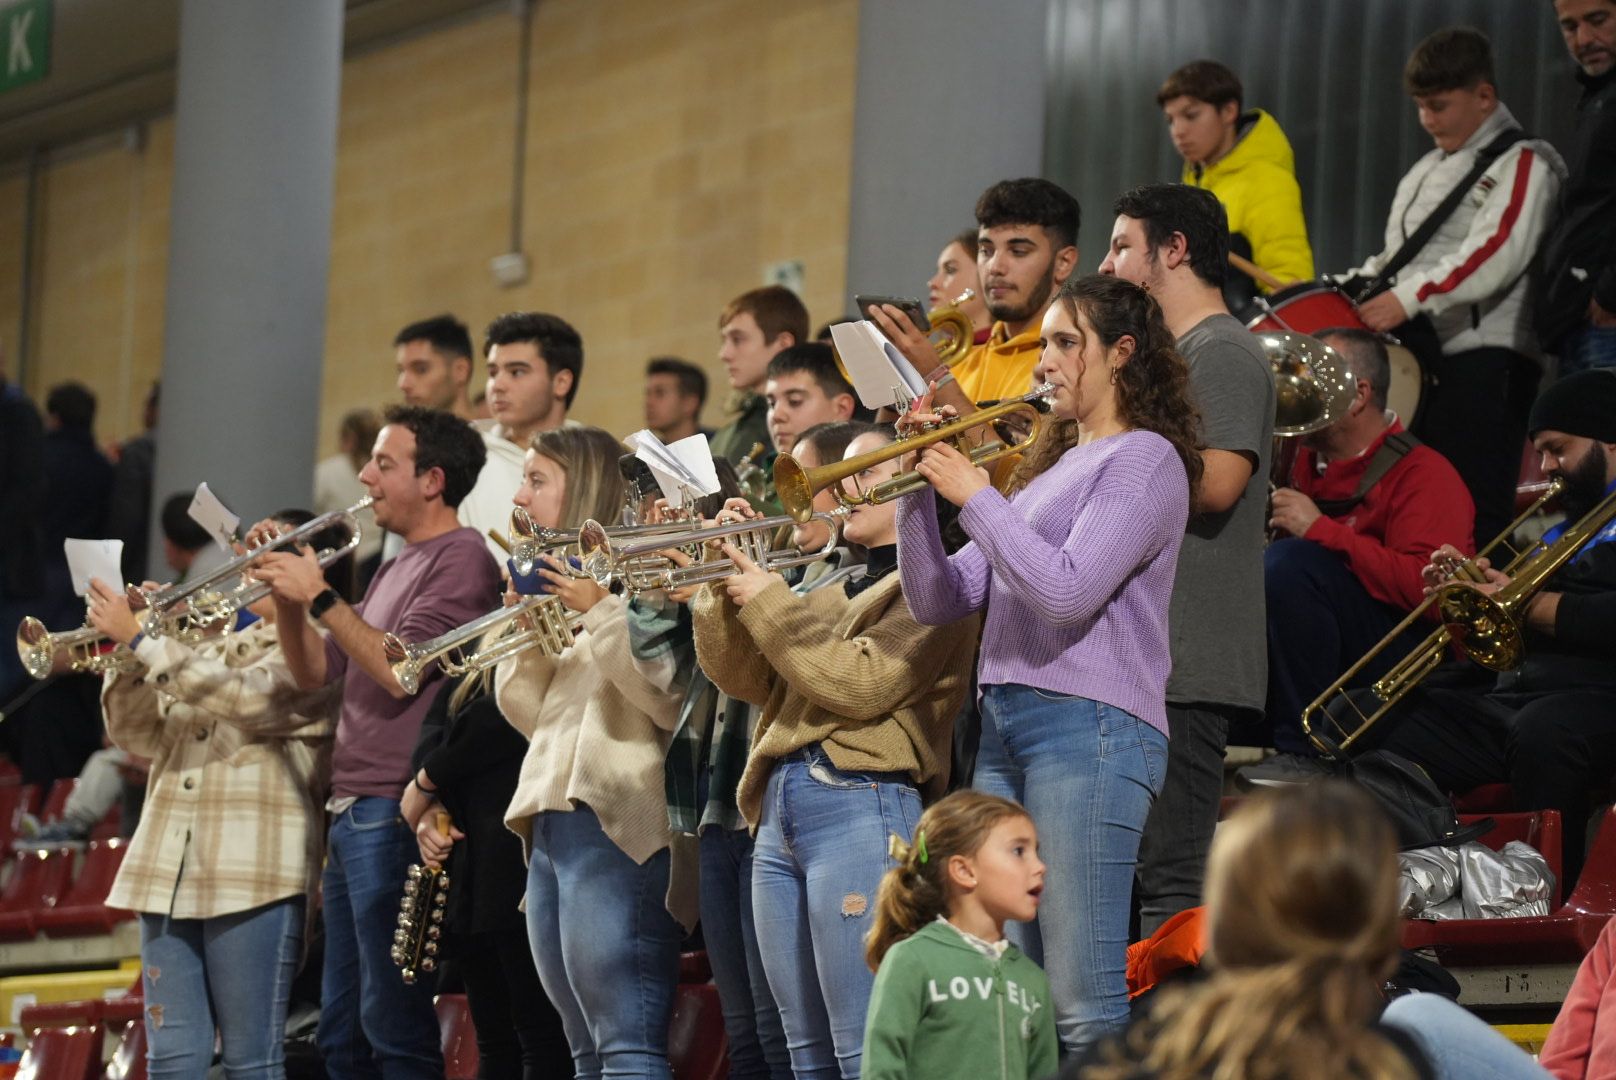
(950, 99)
(255, 144)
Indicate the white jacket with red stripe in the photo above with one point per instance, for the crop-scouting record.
(1471, 278)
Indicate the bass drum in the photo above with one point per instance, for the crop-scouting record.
(1310, 306)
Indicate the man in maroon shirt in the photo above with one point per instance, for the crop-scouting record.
(1366, 506)
(423, 464)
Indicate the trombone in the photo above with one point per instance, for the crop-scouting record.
(1486, 628)
(640, 568)
(207, 600)
(550, 628)
(797, 486)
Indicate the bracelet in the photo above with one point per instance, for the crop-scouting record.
(134, 642)
(422, 788)
(938, 374)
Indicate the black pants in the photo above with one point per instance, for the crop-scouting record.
(1321, 621)
(1178, 832)
(519, 1034)
(1474, 414)
(1554, 748)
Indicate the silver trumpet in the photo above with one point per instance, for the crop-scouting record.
(215, 598)
(37, 647)
(531, 541)
(550, 628)
(640, 566)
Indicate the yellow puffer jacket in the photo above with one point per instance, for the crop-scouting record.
(1256, 183)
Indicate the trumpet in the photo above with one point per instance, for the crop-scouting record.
(209, 599)
(37, 647)
(532, 541)
(1487, 629)
(797, 486)
(550, 628)
(638, 566)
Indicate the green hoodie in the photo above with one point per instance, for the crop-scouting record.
(942, 1008)
(1256, 183)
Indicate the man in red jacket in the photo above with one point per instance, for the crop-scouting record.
(1366, 507)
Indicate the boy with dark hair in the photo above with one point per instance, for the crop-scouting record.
(434, 363)
(675, 391)
(1244, 159)
(424, 462)
(534, 363)
(1026, 248)
(804, 388)
(78, 475)
(1457, 291)
(752, 328)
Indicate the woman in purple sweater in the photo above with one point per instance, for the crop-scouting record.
(1075, 567)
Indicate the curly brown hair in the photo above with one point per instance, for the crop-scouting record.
(1152, 388)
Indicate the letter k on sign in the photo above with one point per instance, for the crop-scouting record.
(25, 29)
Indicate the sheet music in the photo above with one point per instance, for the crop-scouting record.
(207, 511)
(681, 467)
(88, 559)
(874, 364)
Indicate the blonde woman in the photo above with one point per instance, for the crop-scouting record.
(603, 918)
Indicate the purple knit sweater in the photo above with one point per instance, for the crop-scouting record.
(1076, 572)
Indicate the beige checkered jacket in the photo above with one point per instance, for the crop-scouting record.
(241, 763)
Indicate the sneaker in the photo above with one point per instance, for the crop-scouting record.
(56, 835)
(1283, 769)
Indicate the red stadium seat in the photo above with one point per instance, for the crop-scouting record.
(56, 799)
(38, 879)
(82, 910)
(694, 968)
(9, 773)
(111, 1012)
(698, 1048)
(1563, 936)
(15, 801)
(459, 1037)
(129, 1056)
(1487, 799)
(70, 1053)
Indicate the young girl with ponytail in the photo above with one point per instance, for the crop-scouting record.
(952, 996)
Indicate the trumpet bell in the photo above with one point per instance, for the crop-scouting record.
(793, 487)
(34, 647)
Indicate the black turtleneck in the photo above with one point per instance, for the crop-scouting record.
(881, 562)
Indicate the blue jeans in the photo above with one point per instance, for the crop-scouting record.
(1458, 1044)
(1087, 773)
(820, 855)
(606, 948)
(1588, 346)
(757, 1042)
(231, 970)
(371, 1023)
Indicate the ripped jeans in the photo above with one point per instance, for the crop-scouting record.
(821, 852)
(234, 971)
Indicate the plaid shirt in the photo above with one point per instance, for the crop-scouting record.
(241, 760)
(657, 628)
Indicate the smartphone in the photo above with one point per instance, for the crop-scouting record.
(907, 305)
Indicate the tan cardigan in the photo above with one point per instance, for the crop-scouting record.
(241, 763)
(859, 676)
(598, 723)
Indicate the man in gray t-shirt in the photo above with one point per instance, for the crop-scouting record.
(1173, 240)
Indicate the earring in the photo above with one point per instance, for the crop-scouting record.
(1114, 374)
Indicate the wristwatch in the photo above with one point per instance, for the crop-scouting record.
(322, 603)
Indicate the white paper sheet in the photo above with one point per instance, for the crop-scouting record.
(874, 364)
(681, 467)
(207, 511)
(88, 559)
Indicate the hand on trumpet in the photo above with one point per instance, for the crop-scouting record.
(110, 613)
(260, 534)
(1291, 511)
(749, 578)
(1448, 564)
(951, 473)
(293, 578)
(577, 593)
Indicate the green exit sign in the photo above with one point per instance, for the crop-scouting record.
(24, 42)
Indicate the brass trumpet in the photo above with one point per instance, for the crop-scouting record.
(176, 608)
(550, 628)
(640, 568)
(1486, 628)
(797, 486)
(533, 541)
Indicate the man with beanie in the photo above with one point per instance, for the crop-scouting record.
(1548, 728)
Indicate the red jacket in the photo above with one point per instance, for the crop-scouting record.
(1387, 538)
(1582, 1043)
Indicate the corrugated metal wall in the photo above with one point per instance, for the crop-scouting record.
(1329, 70)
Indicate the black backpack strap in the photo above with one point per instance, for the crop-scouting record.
(1393, 449)
(1444, 210)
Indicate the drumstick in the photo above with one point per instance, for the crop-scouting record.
(499, 538)
(1255, 272)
